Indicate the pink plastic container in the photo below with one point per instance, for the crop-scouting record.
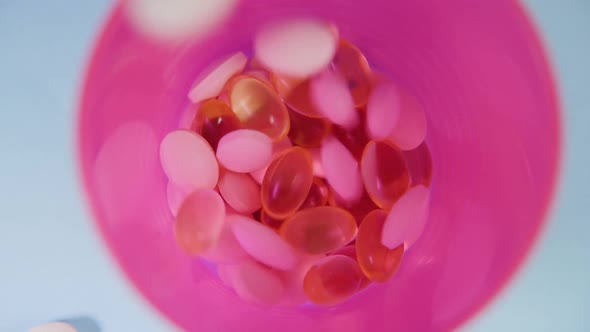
(494, 132)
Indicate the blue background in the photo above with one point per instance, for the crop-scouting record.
(53, 266)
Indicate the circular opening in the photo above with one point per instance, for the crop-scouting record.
(493, 132)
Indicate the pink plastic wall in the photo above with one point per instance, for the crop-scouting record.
(494, 131)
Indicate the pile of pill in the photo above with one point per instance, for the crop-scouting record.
(301, 172)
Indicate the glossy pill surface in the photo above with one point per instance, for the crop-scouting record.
(319, 230)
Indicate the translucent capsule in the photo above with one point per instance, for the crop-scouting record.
(211, 82)
(377, 262)
(419, 164)
(353, 65)
(358, 209)
(277, 148)
(384, 172)
(258, 107)
(296, 94)
(199, 221)
(263, 243)
(341, 170)
(215, 119)
(332, 280)
(407, 218)
(188, 160)
(295, 294)
(308, 132)
(287, 182)
(270, 221)
(318, 194)
(319, 230)
(239, 191)
(350, 251)
(244, 150)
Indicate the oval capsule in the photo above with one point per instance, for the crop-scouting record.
(287, 182)
(318, 195)
(332, 280)
(419, 163)
(377, 262)
(308, 132)
(258, 107)
(296, 94)
(199, 221)
(384, 173)
(319, 230)
(214, 119)
(354, 67)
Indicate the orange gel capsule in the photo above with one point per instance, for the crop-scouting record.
(353, 65)
(377, 262)
(318, 194)
(308, 132)
(350, 251)
(319, 230)
(258, 107)
(358, 209)
(419, 164)
(384, 172)
(296, 94)
(214, 119)
(287, 182)
(332, 280)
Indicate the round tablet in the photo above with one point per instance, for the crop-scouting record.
(244, 150)
(256, 283)
(407, 218)
(410, 129)
(240, 191)
(263, 243)
(188, 160)
(285, 47)
(382, 111)
(341, 170)
(329, 92)
(211, 82)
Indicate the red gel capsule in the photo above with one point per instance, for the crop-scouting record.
(377, 262)
(258, 107)
(308, 132)
(318, 195)
(353, 65)
(419, 164)
(287, 182)
(358, 209)
(319, 230)
(296, 94)
(384, 172)
(355, 139)
(332, 280)
(214, 119)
